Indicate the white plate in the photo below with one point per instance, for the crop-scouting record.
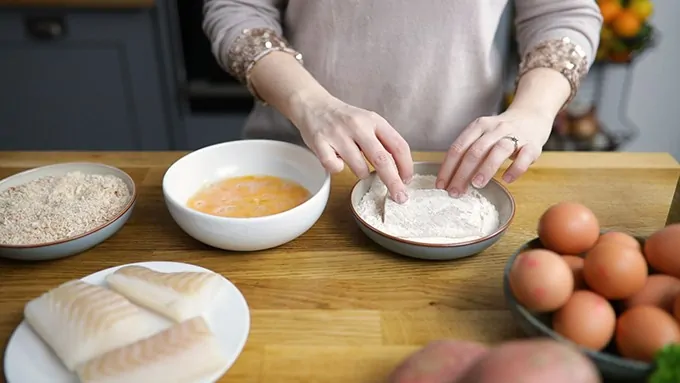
(29, 360)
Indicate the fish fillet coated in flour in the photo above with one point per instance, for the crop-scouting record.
(80, 321)
(187, 352)
(178, 296)
(433, 213)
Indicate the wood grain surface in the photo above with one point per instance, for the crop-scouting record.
(332, 306)
(113, 4)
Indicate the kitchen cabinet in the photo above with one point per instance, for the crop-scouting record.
(82, 80)
(209, 129)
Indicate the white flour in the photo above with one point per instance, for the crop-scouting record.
(469, 217)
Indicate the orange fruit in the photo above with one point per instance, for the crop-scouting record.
(641, 8)
(609, 9)
(626, 24)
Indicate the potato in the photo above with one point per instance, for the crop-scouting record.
(440, 361)
(532, 361)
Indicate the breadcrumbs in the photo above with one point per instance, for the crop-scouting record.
(55, 208)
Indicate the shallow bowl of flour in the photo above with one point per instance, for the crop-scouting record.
(431, 225)
(60, 210)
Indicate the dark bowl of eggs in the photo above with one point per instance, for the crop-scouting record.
(613, 295)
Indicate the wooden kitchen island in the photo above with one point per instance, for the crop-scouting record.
(331, 306)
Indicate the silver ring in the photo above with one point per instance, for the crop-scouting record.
(514, 140)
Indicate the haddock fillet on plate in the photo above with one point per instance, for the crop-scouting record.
(178, 296)
(187, 352)
(81, 321)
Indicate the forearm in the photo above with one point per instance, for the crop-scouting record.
(247, 41)
(280, 80)
(543, 90)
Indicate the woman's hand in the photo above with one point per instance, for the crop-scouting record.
(478, 153)
(337, 132)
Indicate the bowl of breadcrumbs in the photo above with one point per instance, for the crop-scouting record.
(60, 210)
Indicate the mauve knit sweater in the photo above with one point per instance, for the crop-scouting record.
(429, 67)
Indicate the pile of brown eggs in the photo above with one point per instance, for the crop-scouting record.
(603, 290)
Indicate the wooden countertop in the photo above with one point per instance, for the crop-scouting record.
(331, 306)
(113, 4)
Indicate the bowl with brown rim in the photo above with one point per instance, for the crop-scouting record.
(494, 191)
(78, 242)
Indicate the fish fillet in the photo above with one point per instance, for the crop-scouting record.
(178, 296)
(187, 352)
(81, 321)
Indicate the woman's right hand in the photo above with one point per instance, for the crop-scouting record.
(339, 133)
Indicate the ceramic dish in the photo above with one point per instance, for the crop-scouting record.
(28, 359)
(610, 365)
(74, 245)
(494, 191)
(240, 158)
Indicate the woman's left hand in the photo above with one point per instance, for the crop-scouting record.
(481, 149)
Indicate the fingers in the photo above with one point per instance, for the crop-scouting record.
(525, 157)
(500, 151)
(350, 153)
(334, 153)
(397, 146)
(478, 153)
(327, 155)
(457, 150)
(383, 163)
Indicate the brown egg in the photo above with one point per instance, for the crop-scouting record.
(660, 291)
(644, 330)
(662, 250)
(676, 308)
(619, 237)
(576, 265)
(615, 271)
(541, 280)
(586, 319)
(568, 228)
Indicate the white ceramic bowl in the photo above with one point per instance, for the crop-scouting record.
(239, 158)
(82, 242)
(494, 191)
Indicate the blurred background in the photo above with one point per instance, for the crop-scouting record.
(139, 75)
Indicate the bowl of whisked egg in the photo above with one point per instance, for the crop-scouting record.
(246, 195)
(432, 225)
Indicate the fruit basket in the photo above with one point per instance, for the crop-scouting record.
(626, 31)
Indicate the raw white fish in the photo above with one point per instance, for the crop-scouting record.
(80, 321)
(187, 352)
(178, 296)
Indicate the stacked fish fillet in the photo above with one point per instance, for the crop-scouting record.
(104, 336)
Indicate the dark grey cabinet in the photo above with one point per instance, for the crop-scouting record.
(205, 130)
(73, 80)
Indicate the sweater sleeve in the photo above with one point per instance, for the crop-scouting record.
(537, 21)
(238, 28)
(558, 34)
